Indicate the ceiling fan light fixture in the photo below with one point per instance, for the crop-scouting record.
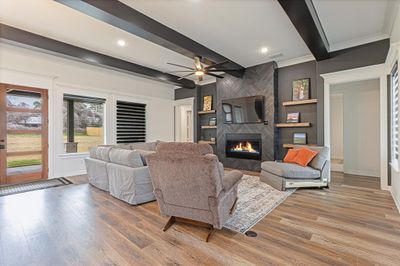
(199, 73)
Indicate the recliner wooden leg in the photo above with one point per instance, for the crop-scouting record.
(210, 234)
(170, 222)
(233, 208)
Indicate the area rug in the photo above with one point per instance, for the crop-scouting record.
(31, 186)
(255, 200)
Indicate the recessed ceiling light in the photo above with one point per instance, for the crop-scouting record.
(264, 50)
(121, 43)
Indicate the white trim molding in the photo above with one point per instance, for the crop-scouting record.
(295, 61)
(359, 74)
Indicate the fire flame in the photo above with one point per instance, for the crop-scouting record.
(244, 147)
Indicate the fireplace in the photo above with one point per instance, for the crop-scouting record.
(243, 146)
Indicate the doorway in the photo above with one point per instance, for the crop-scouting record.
(23, 134)
(184, 123)
(355, 128)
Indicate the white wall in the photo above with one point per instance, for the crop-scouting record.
(337, 125)
(26, 67)
(361, 126)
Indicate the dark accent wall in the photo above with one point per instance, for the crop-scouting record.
(257, 80)
(276, 85)
(308, 113)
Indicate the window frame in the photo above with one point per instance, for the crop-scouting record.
(71, 99)
(394, 121)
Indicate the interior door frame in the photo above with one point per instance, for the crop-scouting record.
(4, 179)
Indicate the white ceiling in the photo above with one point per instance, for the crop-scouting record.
(349, 23)
(237, 29)
(54, 20)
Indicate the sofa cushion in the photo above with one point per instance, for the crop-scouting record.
(100, 153)
(126, 157)
(125, 146)
(147, 146)
(289, 170)
(144, 154)
(319, 161)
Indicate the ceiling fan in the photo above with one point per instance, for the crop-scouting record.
(199, 70)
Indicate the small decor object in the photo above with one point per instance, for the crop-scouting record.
(300, 138)
(301, 89)
(212, 121)
(293, 117)
(207, 103)
(212, 139)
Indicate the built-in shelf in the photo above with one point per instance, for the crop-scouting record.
(206, 112)
(293, 125)
(208, 127)
(290, 146)
(310, 101)
(206, 142)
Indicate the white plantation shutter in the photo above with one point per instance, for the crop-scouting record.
(131, 122)
(395, 112)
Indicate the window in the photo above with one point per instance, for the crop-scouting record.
(131, 122)
(83, 123)
(394, 76)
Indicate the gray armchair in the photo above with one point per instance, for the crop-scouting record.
(188, 184)
(287, 175)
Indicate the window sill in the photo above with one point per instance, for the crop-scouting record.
(73, 155)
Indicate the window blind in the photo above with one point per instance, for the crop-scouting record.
(395, 111)
(131, 122)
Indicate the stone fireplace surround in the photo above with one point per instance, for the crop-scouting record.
(257, 80)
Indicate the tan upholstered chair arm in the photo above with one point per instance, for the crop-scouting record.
(230, 179)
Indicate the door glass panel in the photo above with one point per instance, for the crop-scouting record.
(24, 121)
(24, 142)
(23, 99)
(24, 164)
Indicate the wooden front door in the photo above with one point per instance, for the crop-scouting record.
(23, 134)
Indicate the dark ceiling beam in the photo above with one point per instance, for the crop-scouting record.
(305, 19)
(25, 38)
(126, 18)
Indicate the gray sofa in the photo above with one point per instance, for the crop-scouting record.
(122, 170)
(287, 175)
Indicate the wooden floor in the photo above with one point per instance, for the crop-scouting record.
(352, 223)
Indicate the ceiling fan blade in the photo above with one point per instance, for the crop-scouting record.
(181, 71)
(197, 63)
(214, 75)
(186, 76)
(216, 65)
(220, 70)
(180, 66)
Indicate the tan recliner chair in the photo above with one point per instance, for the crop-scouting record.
(189, 183)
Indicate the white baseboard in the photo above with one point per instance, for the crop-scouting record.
(395, 198)
(361, 172)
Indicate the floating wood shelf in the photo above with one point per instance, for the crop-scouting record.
(293, 125)
(208, 127)
(310, 101)
(206, 142)
(290, 146)
(206, 112)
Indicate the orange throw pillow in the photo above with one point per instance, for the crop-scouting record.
(291, 156)
(305, 156)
